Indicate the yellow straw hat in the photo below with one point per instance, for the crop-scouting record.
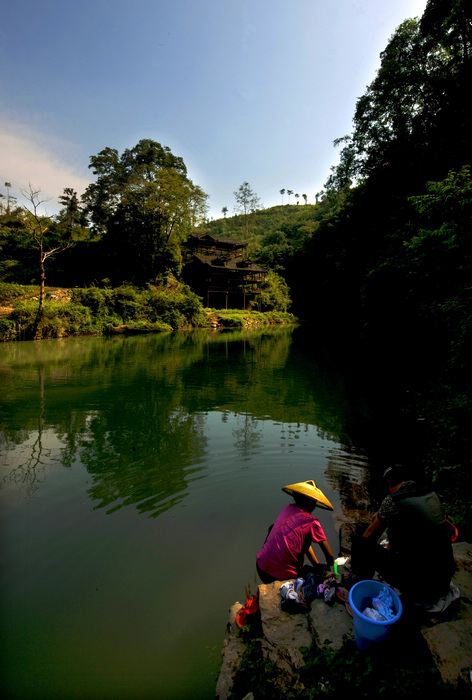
(310, 490)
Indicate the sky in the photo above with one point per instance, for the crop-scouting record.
(242, 90)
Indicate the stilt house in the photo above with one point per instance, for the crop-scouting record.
(219, 271)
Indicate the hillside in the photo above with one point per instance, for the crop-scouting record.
(275, 234)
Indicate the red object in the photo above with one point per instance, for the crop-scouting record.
(241, 617)
(453, 529)
(251, 607)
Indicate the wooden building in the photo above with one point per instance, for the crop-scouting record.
(219, 271)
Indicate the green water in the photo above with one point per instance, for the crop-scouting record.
(138, 478)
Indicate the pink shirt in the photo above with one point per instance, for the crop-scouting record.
(282, 554)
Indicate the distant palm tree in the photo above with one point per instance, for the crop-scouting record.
(225, 211)
(282, 192)
(305, 198)
(9, 199)
(297, 196)
(289, 192)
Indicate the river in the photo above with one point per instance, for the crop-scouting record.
(138, 478)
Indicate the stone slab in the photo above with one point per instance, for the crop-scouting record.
(463, 555)
(332, 624)
(285, 631)
(232, 652)
(450, 644)
(449, 637)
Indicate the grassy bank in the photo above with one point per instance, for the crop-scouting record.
(240, 318)
(124, 309)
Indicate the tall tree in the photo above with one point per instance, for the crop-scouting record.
(71, 215)
(247, 202)
(10, 199)
(48, 239)
(282, 192)
(144, 206)
(413, 120)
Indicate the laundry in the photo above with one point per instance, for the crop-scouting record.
(292, 590)
(381, 607)
(297, 594)
(373, 614)
(293, 597)
(327, 589)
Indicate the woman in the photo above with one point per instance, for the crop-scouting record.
(291, 536)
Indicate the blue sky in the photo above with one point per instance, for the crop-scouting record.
(242, 90)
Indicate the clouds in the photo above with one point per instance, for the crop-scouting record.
(49, 164)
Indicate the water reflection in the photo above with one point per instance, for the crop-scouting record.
(132, 410)
(130, 450)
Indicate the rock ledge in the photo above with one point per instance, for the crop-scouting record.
(448, 637)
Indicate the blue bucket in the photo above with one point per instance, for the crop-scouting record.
(367, 631)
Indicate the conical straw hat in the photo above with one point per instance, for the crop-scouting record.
(311, 490)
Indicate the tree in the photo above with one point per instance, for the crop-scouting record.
(275, 294)
(297, 197)
(412, 121)
(289, 192)
(144, 206)
(305, 198)
(9, 198)
(71, 217)
(247, 202)
(282, 192)
(46, 237)
(225, 211)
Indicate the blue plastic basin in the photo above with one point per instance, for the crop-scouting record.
(367, 631)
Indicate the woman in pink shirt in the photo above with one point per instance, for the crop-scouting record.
(291, 536)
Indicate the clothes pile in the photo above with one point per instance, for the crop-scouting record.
(381, 607)
(294, 598)
(297, 594)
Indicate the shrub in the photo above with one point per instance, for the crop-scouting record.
(10, 290)
(7, 329)
(97, 300)
(125, 301)
(58, 320)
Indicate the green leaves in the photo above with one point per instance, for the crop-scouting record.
(144, 206)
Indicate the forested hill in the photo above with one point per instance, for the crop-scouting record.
(274, 235)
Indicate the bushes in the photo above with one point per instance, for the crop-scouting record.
(58, 320)
(93, 310)
(178, 307)
(10, 291)
(7, 329)
(175, 305)
(242, 318)
(97, 300)
(171, 306)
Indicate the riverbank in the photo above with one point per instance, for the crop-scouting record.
(111, 311)
(304, 655)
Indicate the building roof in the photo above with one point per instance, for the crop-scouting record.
(228, 263)
(195, 239)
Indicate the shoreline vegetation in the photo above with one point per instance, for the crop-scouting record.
(119, 310)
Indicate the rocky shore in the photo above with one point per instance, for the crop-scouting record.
(282, 635)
